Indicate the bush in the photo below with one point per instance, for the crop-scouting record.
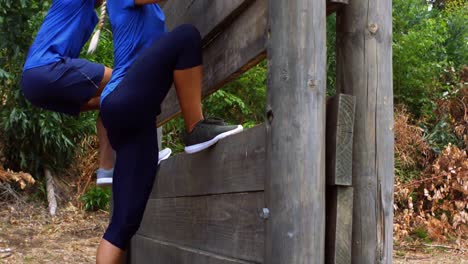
(412, 152)
(426, 44)
(96, 198)
(437, 201)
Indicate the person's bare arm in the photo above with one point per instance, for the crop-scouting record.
(145, 2)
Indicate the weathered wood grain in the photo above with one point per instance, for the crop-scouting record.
(364, 69)
(295, 189)
(149, 251)
(235, 164)
(340, 125)
(240, 46)
(339, 224)
(210, 17)
(228, 225)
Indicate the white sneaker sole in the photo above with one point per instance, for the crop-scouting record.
(104, 182)
(163, 155)
(204, 145)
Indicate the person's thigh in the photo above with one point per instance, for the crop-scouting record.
(152, 73)
(64, 86)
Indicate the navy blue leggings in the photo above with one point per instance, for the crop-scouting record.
(129, 115)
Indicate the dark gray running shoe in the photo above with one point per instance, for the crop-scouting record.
(207, 133)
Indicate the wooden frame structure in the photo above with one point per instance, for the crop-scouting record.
(262, 196)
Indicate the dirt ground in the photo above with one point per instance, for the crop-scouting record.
(29, 235)
(430, 255)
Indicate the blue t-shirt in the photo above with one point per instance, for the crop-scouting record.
(66, 28)
(134, 27)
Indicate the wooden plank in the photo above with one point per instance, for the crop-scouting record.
(210, 17)
(364, 69)
(335, 5)
(340, 125)
(149, 251)
(235, 164)
(339, 225)
(228, 225)
(295, 188)
(238, 48)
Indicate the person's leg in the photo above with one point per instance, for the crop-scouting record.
(109, 254)
(106, 153)
(135, 171)
(188, 84)
(94, 102)
(177, 57)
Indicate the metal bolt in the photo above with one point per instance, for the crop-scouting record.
(265, 213)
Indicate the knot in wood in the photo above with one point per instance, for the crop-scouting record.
(312, 83)
(373, 28)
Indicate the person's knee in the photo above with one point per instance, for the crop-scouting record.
(31, 93)
(120, 234)
(190, 33)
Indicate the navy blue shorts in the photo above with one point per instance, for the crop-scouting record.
(63, 86)
(129, 115)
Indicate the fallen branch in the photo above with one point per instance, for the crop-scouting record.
(7, 192)
(443, 246)
(50, 192)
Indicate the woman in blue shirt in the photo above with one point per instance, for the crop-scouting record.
(147, 60)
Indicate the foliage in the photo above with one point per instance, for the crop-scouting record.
(438, 202)
(431, 173)
(105, 52)
(331, 55)
(172, 135)
(412, 152)
(454, 107)
(440, 135)
(85, 162)
(36, 138)
(96, 198)
(241, 101)
(426, 43)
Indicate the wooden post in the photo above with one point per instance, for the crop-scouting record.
(295, 187)
(364, 69)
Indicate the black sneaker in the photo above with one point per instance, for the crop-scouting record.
(207, 132)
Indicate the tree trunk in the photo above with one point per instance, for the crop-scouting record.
(50, 192)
